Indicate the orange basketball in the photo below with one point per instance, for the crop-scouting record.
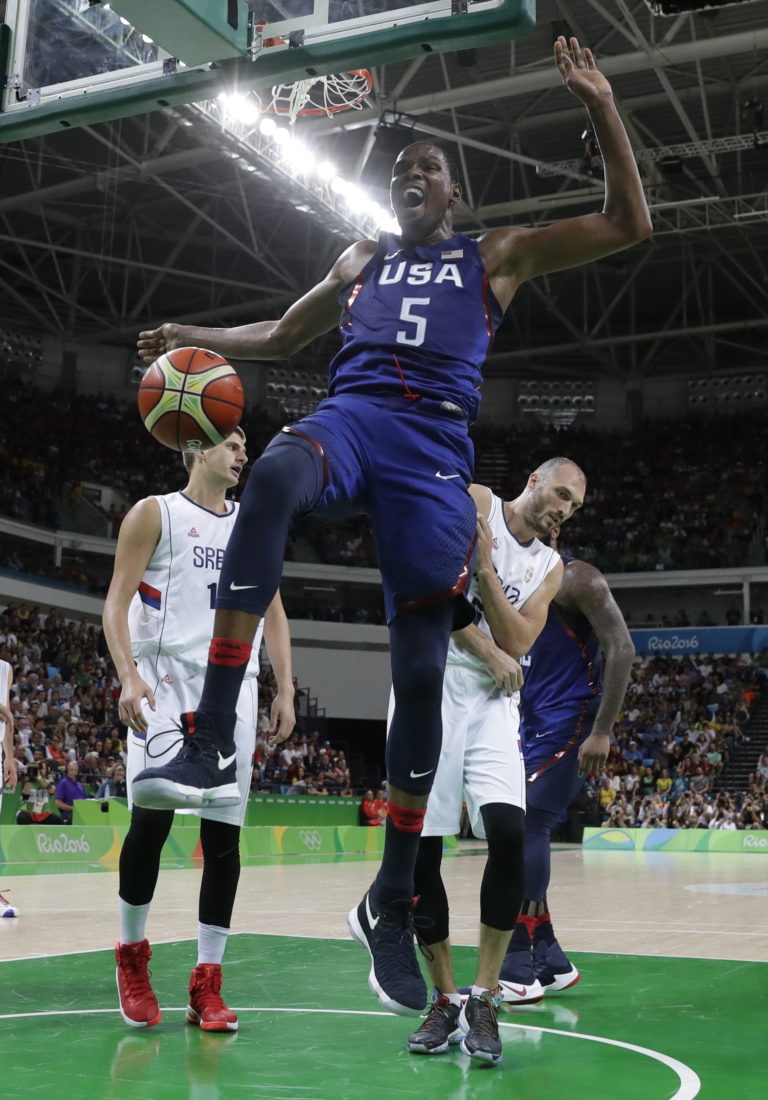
(191, 399)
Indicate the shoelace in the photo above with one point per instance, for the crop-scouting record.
(423, 923)
(135, 973)
(485, 1015)
(411, 924)
(207, 992)
(194, 743)
(437, 1014)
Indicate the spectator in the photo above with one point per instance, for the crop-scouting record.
(114, 785)
(369, 810)
(68, 791)
(36, 791)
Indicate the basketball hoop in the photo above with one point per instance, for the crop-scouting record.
(319, 95)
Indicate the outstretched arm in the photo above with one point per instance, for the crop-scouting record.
(585, 589)
(513, 255)
(316, 313)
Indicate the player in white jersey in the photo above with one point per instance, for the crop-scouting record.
(8, 773)
(516, 576)
(158, 618)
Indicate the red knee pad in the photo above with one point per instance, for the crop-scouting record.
(225, 651)
(405, 819)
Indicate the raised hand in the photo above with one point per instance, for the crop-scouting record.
(579, 71)
(157, 341)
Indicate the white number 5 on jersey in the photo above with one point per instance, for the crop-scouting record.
(416, 339)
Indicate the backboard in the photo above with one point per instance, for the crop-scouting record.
(67, 63)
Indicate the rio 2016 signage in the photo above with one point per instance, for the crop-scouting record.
(702, 639)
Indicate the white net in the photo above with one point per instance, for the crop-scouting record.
(321, 95)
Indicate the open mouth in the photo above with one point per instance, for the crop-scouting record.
(412, 196)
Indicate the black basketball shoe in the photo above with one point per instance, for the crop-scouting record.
(480, 1022)
(199, 775)
(387, 932)
(439, 1028)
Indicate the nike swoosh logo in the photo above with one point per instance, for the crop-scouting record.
(542, 734)
(373, 921)
(391, 255)
(225, 761)
(238, 587)
(419, 775)
(446, 477)
(521, 992)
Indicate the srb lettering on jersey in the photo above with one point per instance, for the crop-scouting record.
(420, 274)
(208, 557)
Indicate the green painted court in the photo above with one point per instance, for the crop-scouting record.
(637, 1027)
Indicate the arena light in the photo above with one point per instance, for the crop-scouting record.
(727, 391)
(556, 403)
(310, 185)
(240, 108)
(355, 198)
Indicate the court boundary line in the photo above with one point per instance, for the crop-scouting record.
(690, 1082)
(348, 939)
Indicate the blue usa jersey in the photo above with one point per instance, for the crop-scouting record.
(418, 321)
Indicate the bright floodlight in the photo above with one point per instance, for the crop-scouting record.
(239, 108)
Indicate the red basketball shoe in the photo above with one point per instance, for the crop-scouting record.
(206, 1006)
(6, 909)
(138, 1003)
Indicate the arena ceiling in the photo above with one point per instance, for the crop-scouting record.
(110, 227)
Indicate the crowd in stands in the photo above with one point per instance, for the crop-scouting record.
(682, 719)
(655, 500)
(64, 700)
(302, 765)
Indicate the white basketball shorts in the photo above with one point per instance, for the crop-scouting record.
(481, 759)
(177, 687)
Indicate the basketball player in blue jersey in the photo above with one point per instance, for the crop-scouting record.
(416, 313)
(576, 675)
(167, 564)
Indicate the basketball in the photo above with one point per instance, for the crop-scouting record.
(191, 399)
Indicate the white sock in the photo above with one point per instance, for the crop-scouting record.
(211, 942)
(454, 998)
(133, 921)
(478, 990)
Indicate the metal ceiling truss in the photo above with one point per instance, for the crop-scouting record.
(185, 214)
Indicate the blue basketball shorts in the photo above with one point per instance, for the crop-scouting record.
(407, 465)
(551, 753)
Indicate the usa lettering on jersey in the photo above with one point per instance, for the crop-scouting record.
(413, 274)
